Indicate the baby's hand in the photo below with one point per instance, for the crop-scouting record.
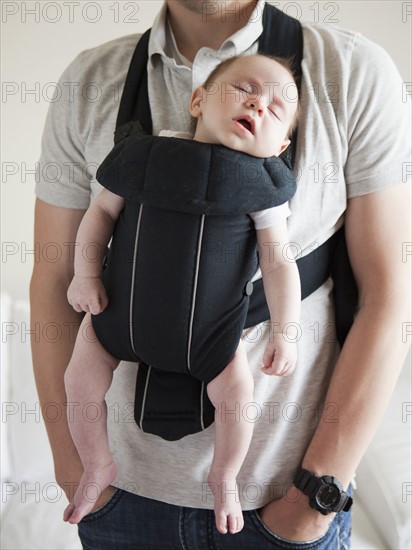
(87, 294)
(279, 358)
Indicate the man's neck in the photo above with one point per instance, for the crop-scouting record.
(206, 24)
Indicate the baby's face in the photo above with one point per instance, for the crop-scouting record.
(249, 107)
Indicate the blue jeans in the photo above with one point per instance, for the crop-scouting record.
(132, 522)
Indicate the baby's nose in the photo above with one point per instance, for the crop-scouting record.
(256, 105)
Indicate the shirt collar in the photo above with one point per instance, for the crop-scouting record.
(157, 41)
(160, 43)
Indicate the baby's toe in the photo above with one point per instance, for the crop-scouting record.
(234, 524)
(221, 522)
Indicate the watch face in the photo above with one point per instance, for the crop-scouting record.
(328, 496)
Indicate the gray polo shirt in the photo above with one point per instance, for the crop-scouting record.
(353, 139)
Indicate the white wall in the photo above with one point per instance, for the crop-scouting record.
(36, 50)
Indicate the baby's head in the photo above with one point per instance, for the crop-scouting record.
(248, 103)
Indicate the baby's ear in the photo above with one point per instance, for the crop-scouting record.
(195, 103)
(284, 146)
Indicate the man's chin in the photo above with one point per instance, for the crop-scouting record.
(195, 6)
(200, 6)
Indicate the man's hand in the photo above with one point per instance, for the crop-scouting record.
(279, 358)
(69, 488)
(87, 294)
(291, 518)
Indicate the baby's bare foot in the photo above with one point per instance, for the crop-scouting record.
(228, 512)
(91, 486)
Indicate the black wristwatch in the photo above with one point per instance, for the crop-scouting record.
(325, 493)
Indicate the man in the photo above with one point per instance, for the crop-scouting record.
(353, 128)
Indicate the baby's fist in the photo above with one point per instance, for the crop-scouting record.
(280, 356)
(87, 294)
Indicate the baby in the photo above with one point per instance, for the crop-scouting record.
(243, 106)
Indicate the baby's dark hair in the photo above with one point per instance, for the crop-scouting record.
(284, 62)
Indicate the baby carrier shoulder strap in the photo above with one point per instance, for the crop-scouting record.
(134, 103)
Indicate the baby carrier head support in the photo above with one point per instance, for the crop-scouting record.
(147, 169)
(174, 404)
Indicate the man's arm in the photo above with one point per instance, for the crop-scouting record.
(48, 300)
(377, 226)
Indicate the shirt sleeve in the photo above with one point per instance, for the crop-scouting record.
(270, 216)
(62, 178)
(378, 121)
(172, 133)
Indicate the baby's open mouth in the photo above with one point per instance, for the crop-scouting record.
(247, 124)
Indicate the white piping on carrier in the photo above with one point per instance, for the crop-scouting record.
(192, 314)
(133, 279)
(144, 399)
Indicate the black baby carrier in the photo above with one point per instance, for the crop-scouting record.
(178, 273)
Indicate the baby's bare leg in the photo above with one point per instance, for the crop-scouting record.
(87, 379)
(229, 392)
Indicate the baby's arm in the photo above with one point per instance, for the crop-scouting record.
(282, 290)
(86, 291)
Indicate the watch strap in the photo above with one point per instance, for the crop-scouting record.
(345, 503)
(307, 482)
